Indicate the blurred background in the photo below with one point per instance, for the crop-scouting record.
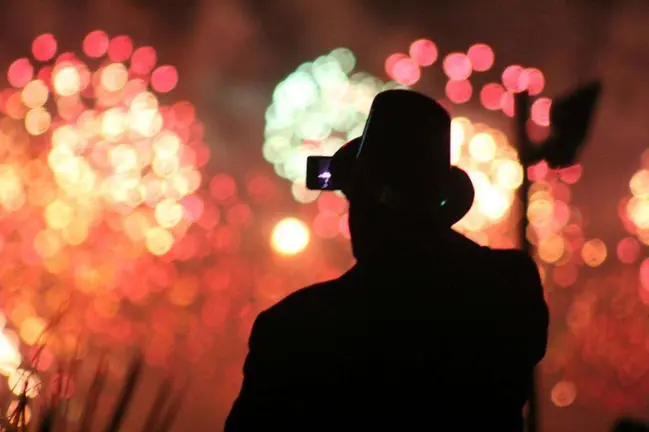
(152, 196)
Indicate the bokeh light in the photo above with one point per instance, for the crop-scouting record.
(324, 103)
(424, 52)
(290, 236)
(44, 47)
(101, 191)
(481, 56)
(457, 66)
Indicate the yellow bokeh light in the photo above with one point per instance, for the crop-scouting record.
(35, 94)
(146, 123)
(175, 187)
(114, 77)
(639, 184)
(481, 183)
(31, 330)
(165, 166)
(10, 358)
(638, 212)
(460, 128)
(144, 101)
(159, 241)
(290, 236)
(37, 121)
(123, 157)
(551, 248)
(168, 213)
(113, 124)
(89, 124)
(47, 243)
(66, 80)
(136, 225)
(66, 136)
(594, 252)
(23, 381)
(643, 236)
(482, 147)
(75, 234)
(508, 174)
(12, 195)
(15, 108)
(541, 212)
(166, 145)
(83, 149)
(494, 204)
(58, 215)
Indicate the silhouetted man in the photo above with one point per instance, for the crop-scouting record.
(428, 331)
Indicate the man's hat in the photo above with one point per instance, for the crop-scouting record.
(403, 158)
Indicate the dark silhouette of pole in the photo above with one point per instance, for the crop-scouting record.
(523, 146)
(570, 121)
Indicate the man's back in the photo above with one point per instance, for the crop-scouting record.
(406, 342)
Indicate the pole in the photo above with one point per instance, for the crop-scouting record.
(523, 146)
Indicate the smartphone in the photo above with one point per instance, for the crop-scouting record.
(318, 176)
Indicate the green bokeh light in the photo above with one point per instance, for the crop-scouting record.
(315, 110)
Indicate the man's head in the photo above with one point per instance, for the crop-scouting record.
(397, 175)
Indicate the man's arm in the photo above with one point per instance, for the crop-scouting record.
(262, 401)
(534, 309)
(521, 325)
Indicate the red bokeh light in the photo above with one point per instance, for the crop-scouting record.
(644, 274)
(20, 73)
(44, 47)
(164, 79)
(332, 203)
(533, 80)
(537, 133)
(239, 214)
(424, 52)
(391, 62)
(565, 275)
(120, 48)
(561, 212)
(193, 207)
(406, 71)
(538, 172)
(457, 66)
(540, 111)
(459, 91)
(223, 187)
(143, 60)
(628, 250)
(326, 225)
(45, 75)
(96, 44)
(491, 96)
(507, 104)
(511, 78)
(482, 57)
(571, 174)
(184, 113)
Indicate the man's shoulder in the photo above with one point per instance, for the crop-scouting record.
(514, 260)
(501, 255)
(308, 300)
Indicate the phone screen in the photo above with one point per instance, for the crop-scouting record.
(318, 176)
